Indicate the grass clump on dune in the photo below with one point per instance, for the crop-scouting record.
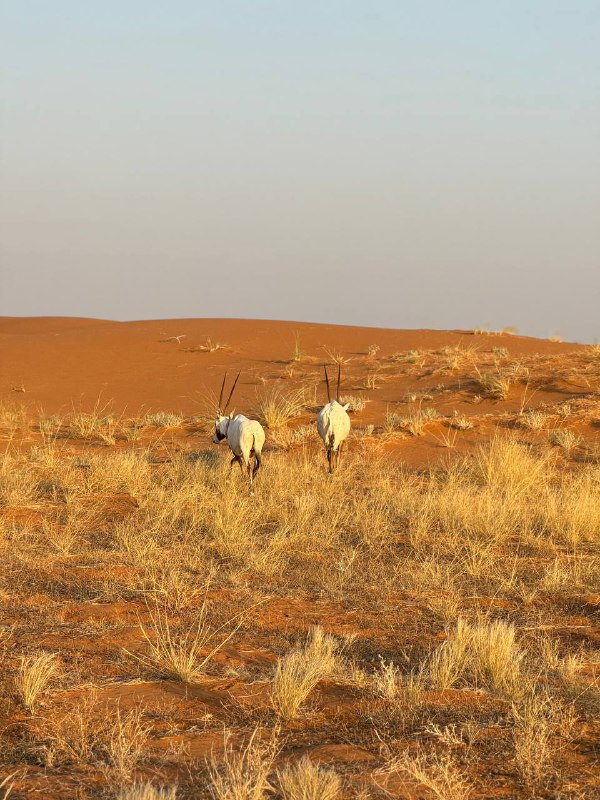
(306, 780)
(163, 419)
(277, 407)
(298, 672)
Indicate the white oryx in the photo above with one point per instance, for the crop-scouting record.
(245, 437)
(333, 424)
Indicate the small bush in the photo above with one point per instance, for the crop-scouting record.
(494, 385)
(298, 672)
(307, 781)
(565, 438)
(533, 420)
(461, 423)
(356, 402)
(163, 419)
(182, 657)
(147, 791)
(242, 774)
(278, 407)
(34, 676)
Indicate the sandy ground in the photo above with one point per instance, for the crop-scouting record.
(83, 597)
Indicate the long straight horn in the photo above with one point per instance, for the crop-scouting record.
(222, 390)
(327, 382)
(232, 390)
(338, 386)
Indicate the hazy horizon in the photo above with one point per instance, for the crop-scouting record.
(393, 164)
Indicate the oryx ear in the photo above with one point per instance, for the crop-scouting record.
(231, 414)
(346, 406)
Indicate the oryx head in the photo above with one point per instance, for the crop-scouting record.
(346, 406)
(223, 419)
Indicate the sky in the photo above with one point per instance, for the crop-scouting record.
(390, 163)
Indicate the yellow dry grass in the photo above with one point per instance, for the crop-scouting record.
(464, 576)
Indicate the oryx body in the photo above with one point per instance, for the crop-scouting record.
(333, 425)
(245, 437)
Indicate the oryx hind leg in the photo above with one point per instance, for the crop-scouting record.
(257, 462)
(239, 461)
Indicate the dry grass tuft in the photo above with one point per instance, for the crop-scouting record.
(565, 438)
(308, 781)
(242, 774)
(277, 407)
(163, 419)
(6, 785)
(484, 654)
(124, 744)
(533, 734)
(34, 677)
(494, 384)
(297, 673)
(182, 656)
(356, 402)
(147, 791)
(440, 775)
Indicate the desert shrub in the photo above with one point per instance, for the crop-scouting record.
(356, 402)
(307, 781)
(12, 416)
(34, 677)
(242, 773)
(147, 791)
(494, 385)
(440, 775)
(460, 422)
(163, 419)
(533, 420)
(484, 654)
(533, 737)
(277, 406)
(298, 672)
(565, 438)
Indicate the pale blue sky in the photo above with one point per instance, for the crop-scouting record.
(404, 164)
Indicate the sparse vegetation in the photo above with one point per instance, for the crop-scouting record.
(277, 406)
(34, 677)
(565, 438)
(147, 791)
(242, 773)
(163, 419)
(533, 420)
(356, 402)
(182, 656)
(470, 581)
(308, 781)
(298, 672)
(494, 384)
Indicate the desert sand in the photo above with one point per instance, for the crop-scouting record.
(157, 619)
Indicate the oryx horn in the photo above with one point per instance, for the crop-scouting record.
(232, 391)
(219, 407)
(327, 382)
